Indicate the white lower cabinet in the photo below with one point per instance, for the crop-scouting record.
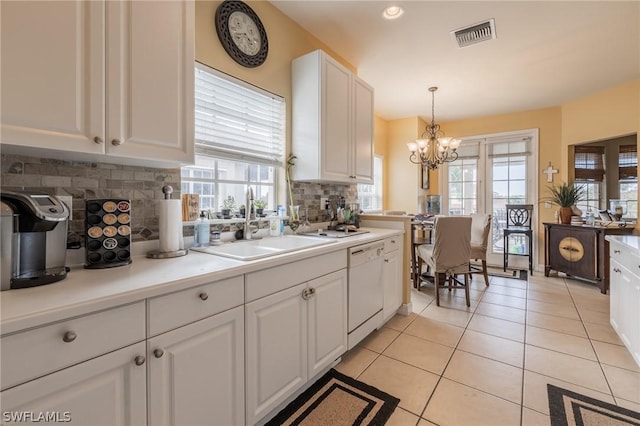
(196, 372)
(291, 336)
(392, 277)
(107, 390)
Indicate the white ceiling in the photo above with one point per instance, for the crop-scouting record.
(546, 52)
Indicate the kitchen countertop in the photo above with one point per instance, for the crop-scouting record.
(632, 241)
(89, 290)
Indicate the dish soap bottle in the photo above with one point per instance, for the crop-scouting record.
(201, 231)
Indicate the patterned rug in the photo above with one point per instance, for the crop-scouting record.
(568, 408)
(338, 400)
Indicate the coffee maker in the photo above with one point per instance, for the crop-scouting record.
(33, 239)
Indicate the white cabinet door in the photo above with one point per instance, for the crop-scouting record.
(392, 282)
(53, 74)
(276, 350)
(363, 131)
(108, 390)
(196, 372)
(150, 79)
(327, 320)
(616, 284)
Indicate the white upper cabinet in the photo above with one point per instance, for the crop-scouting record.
(332, 122)
(94, 77)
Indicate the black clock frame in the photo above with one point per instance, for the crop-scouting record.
(223, 12)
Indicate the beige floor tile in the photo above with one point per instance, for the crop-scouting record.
(447, 315)
(560, 342)
(552, 322)
(565, 367)
(502, 312)
(497, 327)
(624, 383)
(533, 418)
(435, 331)
(559, 310)
(493, 347)
(379, 339)
(598, 305)
(546, 285)
(400, 322)
(356, 361)
(615, 355)
(421, 299)
(628, 405)
(509, 282)
(411, 385)
(550, 297)
(456, 300)
(508, 291)
(454, 404)
(420, 353)
(424, 422)
(497, 378)
(594, 316)
(402, 417)
(536, 395)
(504, 300)
(603, 333)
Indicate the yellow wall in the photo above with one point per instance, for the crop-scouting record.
(403, 178)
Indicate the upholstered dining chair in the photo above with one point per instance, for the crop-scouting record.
(480, 227)
(449, 254)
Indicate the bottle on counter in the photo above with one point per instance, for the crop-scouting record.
(201, 231)
(274, 225)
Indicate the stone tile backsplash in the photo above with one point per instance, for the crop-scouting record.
(142, 185)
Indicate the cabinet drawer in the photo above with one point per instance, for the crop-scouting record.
(392, 243)
(626, 257)
(34, 353)
(177, 309)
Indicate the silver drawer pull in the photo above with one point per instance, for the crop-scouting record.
(616, 251)
(158, 353)
(203, 296)
(98, 140)
(617, 270)
(69, 337)
(139, 360)
(393, 241)
(116, 142)
(386, 261)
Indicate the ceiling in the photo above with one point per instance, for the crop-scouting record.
(546, 52)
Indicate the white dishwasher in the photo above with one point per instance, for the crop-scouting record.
(365, 290)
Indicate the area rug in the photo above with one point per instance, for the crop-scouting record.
(568, 408)
(338, 400)
(516, 274)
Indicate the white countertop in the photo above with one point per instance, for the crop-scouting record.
(631, 241)
(89, 290)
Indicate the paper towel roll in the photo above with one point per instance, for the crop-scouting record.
(170, 225)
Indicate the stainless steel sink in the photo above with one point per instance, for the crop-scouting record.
(257, 249)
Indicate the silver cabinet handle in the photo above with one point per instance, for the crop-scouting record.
(386, 261)
(203, 296)
(616, 251)
(69, 337)
(139, 360)
(158, 353)
(307, 293)
(116, 142)
(393, 241)
(617, 270)
(98, 140)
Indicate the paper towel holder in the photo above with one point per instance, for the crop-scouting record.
(167, 190)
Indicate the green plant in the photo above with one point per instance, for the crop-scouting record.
(566, 195)
(260, 204)
(229, 203)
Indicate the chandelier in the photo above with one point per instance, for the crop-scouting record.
(432, 149)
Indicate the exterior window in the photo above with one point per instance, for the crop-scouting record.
(240, 139)
(589, 169)
(370, 195)
(628, 178)
(463, 181)
(591, 199)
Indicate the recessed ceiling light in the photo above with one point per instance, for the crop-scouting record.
(392, 12)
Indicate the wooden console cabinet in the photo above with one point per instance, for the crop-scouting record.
(579, 251)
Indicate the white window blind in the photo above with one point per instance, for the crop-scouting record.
(236, 120)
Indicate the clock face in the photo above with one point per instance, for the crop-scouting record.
(241, 33)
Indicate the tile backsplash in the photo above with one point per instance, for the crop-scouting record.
(85, 180)
(142, 185)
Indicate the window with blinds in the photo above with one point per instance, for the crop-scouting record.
(236, 120)
(589, 163)
(628, 162)
(370, 195)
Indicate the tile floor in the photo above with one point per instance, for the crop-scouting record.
(489, 364)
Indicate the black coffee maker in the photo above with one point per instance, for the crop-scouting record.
(34, 239)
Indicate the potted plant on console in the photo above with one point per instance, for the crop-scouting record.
(260, 205)
(228, 204)
(566, 196)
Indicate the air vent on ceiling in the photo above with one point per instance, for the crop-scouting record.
(476, 33)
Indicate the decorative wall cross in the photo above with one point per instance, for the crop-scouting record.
(549, 171)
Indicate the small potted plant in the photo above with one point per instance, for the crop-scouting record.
(260, 205)
(242, 210)
(228, 204)
(566, 196)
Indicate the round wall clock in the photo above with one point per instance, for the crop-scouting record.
(241, 33)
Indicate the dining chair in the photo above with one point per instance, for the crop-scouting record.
(480, 227)
(450, 253)
(519, 219)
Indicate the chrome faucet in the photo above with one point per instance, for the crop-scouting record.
(247, 214)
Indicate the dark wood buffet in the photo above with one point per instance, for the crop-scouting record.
(580, 251)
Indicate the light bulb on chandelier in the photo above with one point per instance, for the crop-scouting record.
(433, 149)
